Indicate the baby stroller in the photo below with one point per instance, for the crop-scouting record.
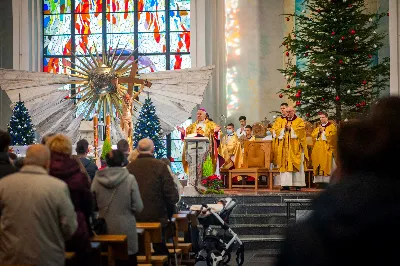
(218, 242)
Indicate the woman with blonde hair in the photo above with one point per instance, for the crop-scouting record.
(65, 167)
(133, 155)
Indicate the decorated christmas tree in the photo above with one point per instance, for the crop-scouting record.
(20, 128)
(148, 126)
(332, 58)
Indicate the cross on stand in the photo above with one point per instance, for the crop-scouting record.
(131, 80)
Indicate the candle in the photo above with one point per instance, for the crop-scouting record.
(108, 127)
(95, 134)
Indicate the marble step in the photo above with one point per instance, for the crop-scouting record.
(268, 197)
(257, 208)
(263, 218)
(253, 242)
(259, 229)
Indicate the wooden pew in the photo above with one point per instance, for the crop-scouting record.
(95, 254)
(152, 234)
(117, 247)
(182, 226)
(70, 259)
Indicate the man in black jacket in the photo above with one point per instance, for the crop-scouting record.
(6, 167)
(82, 149)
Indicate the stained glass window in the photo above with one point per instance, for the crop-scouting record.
(157, 30)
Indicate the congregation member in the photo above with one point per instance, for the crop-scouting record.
(241, 132)
(6, 167)
(230, 149)
(123, 146)
(46, 137)
(156, 185)
(68, 169)
(323, 155)
(277, 127)
(157, 188)
(178, 184)
(355, 220)
(133, 155)
(292, 151)
(37, 215)
(118, 200)
(82, 150)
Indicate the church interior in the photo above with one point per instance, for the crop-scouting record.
(274, 122)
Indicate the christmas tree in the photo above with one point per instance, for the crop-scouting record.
(21, 128)
(332, 58)
(148, 126)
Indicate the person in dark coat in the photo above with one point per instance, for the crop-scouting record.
(82, 149)
(156, 185)
(158, 191)
(355, 220)
(6, 167)
(66, 168)
(117, 193)
(123, 146)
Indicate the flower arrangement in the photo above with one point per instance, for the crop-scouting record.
(213, 184)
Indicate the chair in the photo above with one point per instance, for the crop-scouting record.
(256, 162)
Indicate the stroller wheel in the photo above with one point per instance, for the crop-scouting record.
(214, 258)
(226, 258)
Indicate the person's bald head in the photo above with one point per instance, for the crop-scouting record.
(38, 155)
(290, 111)
(145, 146)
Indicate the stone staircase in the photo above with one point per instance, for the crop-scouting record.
(259, 220)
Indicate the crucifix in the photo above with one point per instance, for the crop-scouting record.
(265, 121)
(128, 99)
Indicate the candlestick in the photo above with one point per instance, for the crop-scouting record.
(108, 127)
(95, 135)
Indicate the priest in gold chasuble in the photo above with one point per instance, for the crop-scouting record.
(204, 128)
(277, 127)
(324, 150)
(230, 149)
(292, 152)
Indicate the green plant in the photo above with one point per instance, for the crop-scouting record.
(106, 149)
(208, 168)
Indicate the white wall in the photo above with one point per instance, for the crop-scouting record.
(27, 40)
(394, 35)
(261, 34)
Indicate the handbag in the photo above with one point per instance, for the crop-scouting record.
(99, 225)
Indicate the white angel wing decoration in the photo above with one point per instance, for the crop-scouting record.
(174, 93)
(43, 98)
